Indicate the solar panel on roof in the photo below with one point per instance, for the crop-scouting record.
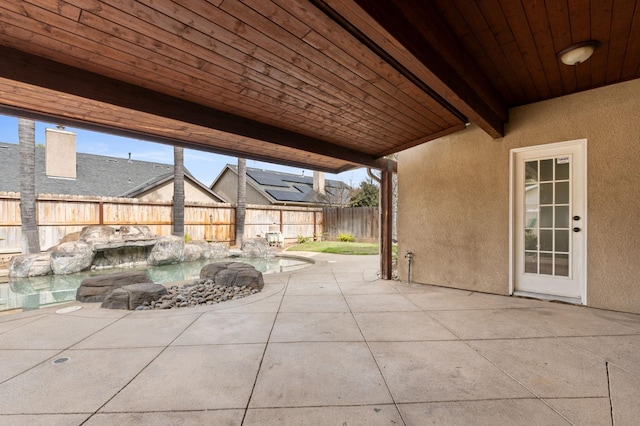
(286, 195)
(272, 182)
(268, 180)
(284, 180)
(303, 188)
(256, 173)
(297, 179)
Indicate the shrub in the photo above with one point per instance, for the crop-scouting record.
(348, 238)
(302, 240)
(187, 238)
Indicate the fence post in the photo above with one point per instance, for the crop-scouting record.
(314, 225)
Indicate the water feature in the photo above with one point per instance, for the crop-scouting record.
(35, 292)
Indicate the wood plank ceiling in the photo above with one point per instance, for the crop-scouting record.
(326, 84)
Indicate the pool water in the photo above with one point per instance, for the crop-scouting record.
(35, 292)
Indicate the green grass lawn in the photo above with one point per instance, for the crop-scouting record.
(339, 247)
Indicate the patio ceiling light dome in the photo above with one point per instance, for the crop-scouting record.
(578, 53)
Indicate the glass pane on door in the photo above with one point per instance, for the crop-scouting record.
(547, 236)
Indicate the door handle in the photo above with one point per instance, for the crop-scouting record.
(576, 217)
(576, 229)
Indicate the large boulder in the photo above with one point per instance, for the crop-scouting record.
(96, 289)
(98, 234)
(209, 271)
(168, 250)
(128, 232)
(255, 247)
(226, 278)
(30, 265)
(133, 295)
(250, 278)
(233, 274)
(116, 299)
(194, 251)
(71, 257)
(209, 250)
(218, 251)
(74, 236)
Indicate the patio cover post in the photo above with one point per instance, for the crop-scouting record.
(386, 221)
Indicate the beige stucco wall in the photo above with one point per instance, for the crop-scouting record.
(192, 193)
(454, 196)
(227, 187)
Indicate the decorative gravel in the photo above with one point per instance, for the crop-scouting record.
(197, 293)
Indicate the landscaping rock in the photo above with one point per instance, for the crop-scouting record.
(250, 279)
(128, 232)
(141, 293)
(74, 236)
(255, 247)
(117, 299)
(209, 271)
(218, 251)
(96, 289)
(207, 250)
(98, 234)
(122, 256)
(30, 265)
(198, 293)
(134, 295)
(71, 257)
(168, 250)
(233, 274)
(226, 277)
(193, 252)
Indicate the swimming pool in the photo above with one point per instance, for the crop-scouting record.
(35, 292)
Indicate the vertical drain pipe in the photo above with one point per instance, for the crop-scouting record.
(409, 256)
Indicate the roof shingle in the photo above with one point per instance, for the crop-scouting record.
(97, 175)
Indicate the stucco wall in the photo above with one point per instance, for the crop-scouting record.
(227, 187)
(454, 196)
(192, 193)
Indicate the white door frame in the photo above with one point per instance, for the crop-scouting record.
(512, 153)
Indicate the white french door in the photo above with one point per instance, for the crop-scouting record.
(548, 220)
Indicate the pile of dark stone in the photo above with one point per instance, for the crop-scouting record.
(198, 293)
(133, 290)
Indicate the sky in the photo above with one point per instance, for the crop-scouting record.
(204, 166)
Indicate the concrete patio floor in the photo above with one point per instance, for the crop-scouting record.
(329, 344)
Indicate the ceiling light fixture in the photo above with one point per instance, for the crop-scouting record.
(578, 53)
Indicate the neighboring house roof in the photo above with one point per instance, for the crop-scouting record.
(168, 177)
(96, 175)
(288, 188)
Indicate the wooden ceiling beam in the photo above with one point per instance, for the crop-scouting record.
(37, 71)
(150, 137)
(423, 45)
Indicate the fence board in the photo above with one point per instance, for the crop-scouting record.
(363, 223)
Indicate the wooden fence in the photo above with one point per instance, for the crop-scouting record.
(59, 215)
(361, 222)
